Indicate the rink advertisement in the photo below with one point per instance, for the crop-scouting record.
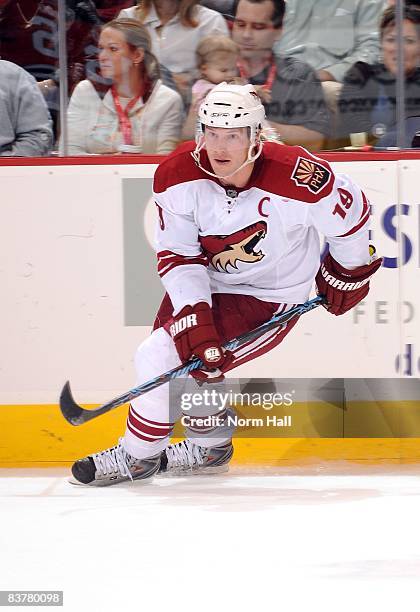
(81, 291)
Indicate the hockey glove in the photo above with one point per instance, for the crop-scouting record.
(194, 333)
(344, 288)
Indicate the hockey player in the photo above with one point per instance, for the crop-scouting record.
(237, 241)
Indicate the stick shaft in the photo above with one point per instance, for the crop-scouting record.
(77, 415)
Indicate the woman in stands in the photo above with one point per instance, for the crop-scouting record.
(367, 102)
(176, 27)
(136, 113)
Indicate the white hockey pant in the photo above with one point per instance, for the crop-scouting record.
(152, 416)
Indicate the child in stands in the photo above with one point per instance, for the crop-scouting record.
(217, 58)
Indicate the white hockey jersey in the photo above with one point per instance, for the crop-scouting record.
(260, 240)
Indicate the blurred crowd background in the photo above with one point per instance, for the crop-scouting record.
(118, 77)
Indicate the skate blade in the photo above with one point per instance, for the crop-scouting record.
(96, 485)
(100, 485)
(76, 483)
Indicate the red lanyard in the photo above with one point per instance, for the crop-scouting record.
(123, 117)
(268, 85)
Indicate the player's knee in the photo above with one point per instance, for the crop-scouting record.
(157, 351)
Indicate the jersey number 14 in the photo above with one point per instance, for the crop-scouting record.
(346, 202)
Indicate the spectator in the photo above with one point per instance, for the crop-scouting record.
(331, 36)
(29, 38)
(217, 57)
(29, 33)
(292, 94)
(367, 102)
(25, 125)
(176, 28)
(137, 113)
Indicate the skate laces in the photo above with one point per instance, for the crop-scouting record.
(113, 460)
(185, 455)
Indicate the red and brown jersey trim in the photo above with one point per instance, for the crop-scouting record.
(363, 219)
(168, 260)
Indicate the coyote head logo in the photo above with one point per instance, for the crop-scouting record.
(224, 251)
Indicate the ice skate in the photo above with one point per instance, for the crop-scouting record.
(187, 458)
(112, 466)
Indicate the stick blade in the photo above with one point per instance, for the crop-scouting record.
(72, 412)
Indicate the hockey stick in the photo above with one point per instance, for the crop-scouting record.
(76, 415)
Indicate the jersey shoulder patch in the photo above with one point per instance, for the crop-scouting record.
(293, 172)
(178, 167)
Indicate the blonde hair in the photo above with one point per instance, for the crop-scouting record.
(212, 46)
(186, 11)
(138, 37)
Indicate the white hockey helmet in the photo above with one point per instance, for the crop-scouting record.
(231, 106)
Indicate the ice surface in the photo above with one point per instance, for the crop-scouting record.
(333, 537)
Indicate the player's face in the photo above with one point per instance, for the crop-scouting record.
(221, 68)
(253, 29)
(411, 47)
(227, 148)
(116, 57)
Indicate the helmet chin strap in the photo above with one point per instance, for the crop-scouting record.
(250, 159)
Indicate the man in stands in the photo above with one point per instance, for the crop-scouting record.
(331, 37)
(25, 124)
(292, 94)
